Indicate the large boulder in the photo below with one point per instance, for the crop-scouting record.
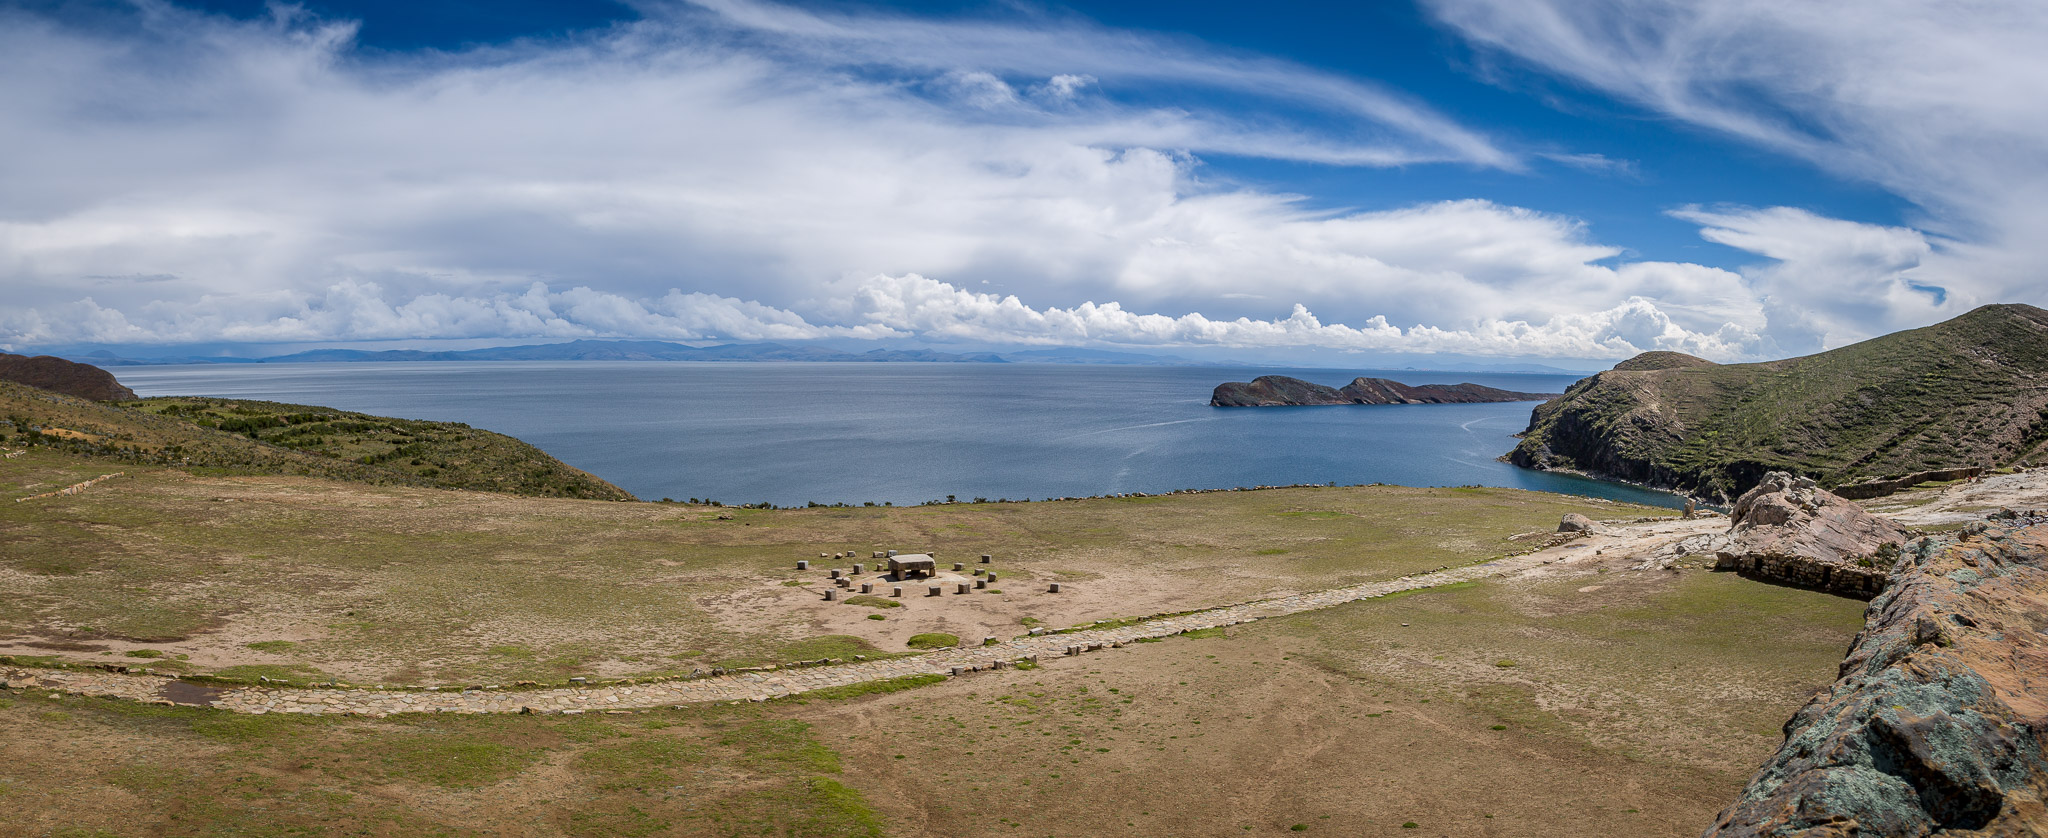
(1574, 522)
(1788, 529)
(1938, 724)
(57, 375)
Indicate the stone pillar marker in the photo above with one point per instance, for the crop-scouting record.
(835, 573)
(831, 594)
(1054, 589)
(896, 591)
(856, 570)
(963, 588)
(957, 567)
(867, 587)
(803, 564)
(979, 583)
(991, 577)
(933, 592)
(986, 558)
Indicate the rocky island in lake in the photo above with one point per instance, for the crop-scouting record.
(1282, 391)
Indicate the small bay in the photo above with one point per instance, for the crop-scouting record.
(789, 433)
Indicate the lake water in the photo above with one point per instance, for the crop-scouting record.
(905, 433)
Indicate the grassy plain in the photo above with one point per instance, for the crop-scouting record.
(405, 585)
(1589, 700)
(1589, 703)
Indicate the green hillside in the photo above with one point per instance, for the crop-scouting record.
(272, 438)
(1972, 391)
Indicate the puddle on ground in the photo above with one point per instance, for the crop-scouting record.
(186, 692)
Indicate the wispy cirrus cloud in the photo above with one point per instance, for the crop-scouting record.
(1936, 102)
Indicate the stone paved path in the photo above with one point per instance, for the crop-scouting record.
(749, 686)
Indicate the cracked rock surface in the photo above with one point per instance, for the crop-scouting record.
(1788, 529)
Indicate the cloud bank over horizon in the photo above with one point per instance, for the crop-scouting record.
(736, 170)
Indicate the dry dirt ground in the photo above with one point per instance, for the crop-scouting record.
(307, 579)
(1583, 697)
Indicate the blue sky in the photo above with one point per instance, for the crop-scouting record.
(1344, 184)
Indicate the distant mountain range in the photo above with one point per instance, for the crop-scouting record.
(654, 350)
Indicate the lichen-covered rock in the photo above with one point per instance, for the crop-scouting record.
(1936, 724)
(1787, 529)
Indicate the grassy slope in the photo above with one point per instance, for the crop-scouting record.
(252, 437)
(1970, 391)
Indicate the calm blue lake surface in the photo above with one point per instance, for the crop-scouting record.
(790, 433)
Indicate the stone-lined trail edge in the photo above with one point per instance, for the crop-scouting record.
(749, 686)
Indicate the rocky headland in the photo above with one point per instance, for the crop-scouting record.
(57, 375)
(1968, 393)
(1936, 725)
(1282, 391)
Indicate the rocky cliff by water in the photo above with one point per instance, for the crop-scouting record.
(1970, 392)
(1282, 391)
(1936, 725)
(57, 375)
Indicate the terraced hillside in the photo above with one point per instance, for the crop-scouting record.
(1972, 391)
(253, 437)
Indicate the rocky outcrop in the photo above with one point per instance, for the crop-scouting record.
(1282, 391)
(1938, 724)
(57, 375)
(1789, 530)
